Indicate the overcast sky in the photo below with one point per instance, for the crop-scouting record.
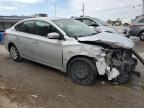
(104, 9)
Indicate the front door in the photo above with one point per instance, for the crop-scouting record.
(48, 51)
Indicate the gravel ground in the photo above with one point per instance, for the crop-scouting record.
(31, 85)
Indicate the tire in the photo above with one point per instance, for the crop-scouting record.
(128, 36)
(82, 71)
(14, 53)
(141, 36)
(126, 24)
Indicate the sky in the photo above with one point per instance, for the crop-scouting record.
(104, 9)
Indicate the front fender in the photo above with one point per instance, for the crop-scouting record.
(80, 50)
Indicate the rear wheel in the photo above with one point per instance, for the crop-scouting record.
(141, 36)
(82, 71)
(14, 53)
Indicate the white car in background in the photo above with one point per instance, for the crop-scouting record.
(126, 22)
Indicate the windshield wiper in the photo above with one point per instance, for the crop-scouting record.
(75, 37)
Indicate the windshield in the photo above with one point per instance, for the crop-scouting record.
(75, 28)
(100, 22)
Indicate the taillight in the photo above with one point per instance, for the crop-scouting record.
(5, 34)
(130, 26)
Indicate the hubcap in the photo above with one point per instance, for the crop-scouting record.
(80, 70)
(14, 53)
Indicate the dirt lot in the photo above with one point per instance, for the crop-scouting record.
(31, 85)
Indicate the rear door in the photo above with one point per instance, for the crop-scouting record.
(25, 38)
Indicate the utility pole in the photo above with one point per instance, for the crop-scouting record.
(83, 9)
(143, 7)
(55, 10)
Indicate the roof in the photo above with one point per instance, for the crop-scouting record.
(47, 18)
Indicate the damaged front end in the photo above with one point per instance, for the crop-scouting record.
(119, 64)
(116, 63)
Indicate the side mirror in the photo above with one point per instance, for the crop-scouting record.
(53, 35)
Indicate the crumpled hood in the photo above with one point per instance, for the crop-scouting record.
(112, 39)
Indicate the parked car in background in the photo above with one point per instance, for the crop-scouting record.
(126, 22)
(98, 24)
(72, 47)
(137, 28)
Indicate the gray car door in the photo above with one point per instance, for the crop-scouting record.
(25, 38)
(47, 51)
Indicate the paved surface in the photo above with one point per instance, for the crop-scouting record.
(31, 85)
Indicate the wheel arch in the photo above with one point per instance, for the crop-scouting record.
(140, 33)
(9, 45)
(140, 36)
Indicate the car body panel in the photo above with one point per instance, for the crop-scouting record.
(111, 39)
(136, 27)
(72, 48)
(48, 51)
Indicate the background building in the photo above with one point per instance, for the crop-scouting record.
(8, 21)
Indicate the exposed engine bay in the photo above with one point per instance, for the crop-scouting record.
(119, 64)
(116, 63)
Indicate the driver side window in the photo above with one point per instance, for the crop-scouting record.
(44, 28)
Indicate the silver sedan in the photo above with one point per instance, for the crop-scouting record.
(73, 48)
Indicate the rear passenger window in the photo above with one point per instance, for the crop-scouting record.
(18, 27)
(44, 28)
(26, 27)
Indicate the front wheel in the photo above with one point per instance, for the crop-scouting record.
(82, 71)
(141, 36)
(14, 53)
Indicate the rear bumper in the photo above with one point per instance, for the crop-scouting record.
(133, 32)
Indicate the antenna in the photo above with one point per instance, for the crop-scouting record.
(83, 9)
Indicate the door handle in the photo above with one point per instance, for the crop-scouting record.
(17, 38)
(35, 42)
